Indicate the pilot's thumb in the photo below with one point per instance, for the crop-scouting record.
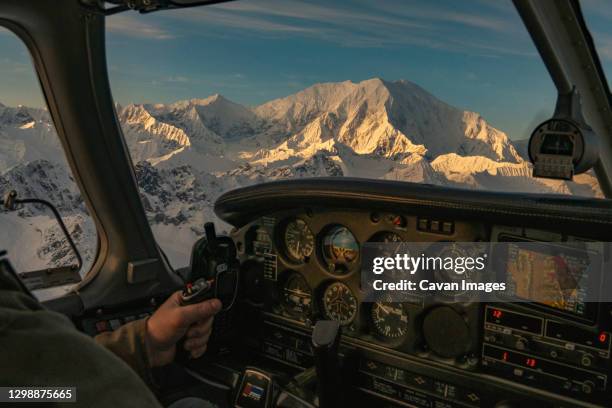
(199, 311)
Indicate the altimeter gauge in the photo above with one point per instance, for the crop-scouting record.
(298, 240)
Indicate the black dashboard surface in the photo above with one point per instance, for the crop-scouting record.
(291, 279)
(242, 205)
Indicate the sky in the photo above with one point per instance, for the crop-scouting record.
(474, 54)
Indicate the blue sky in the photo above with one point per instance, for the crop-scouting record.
(473, 54)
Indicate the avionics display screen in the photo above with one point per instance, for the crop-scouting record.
(556, 276)
(557, 144)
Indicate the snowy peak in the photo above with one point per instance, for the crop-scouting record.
(340, 97)
(386, 119)
(391, 119)
(46, 180)
(140, 126)
(218, 114)
(21, 116)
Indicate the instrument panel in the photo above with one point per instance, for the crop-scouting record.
(309, 269)
(312, 272)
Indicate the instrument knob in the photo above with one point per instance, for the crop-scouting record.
(586, 360)
(522, 343)
(587, 387)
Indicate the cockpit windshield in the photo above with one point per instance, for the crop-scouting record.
(218, 97)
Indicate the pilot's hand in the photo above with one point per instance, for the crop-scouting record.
(171, 322)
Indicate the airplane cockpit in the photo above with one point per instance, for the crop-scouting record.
(283, 206)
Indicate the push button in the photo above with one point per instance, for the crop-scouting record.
(423, 224)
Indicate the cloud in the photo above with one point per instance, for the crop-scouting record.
(216, 16)
(491, 31)
(12, 66)
(131, 26)
(318, 13)
(603, 44)
(177, 78)
(598, 16)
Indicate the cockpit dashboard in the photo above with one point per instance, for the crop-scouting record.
(300, 263)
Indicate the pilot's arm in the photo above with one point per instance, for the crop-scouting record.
(41, 348)
(151, 342)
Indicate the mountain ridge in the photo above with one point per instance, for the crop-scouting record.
(188, 152)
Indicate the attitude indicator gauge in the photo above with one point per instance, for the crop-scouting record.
(390, 320)
(340, 250)
(339, 303)
(298, 240)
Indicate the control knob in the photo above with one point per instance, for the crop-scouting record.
(587, 387)
(586, 360)
(522, 343)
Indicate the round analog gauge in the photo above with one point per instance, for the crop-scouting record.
(340, 249)
(448, 275)
(339, 303)
(296, 295)
(299, 240)
(390, 319)
(393, 245)
(386, 237)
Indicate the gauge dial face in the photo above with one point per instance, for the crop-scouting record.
(386, 237)
(393, 245)
(297, 295)
(448, 275)
(340, 249)
(339, 303)
(454, 251)
(390, 319)
(299, 240)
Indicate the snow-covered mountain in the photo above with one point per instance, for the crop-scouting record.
(187, 153)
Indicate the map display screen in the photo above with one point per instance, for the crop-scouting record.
(555, 276)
